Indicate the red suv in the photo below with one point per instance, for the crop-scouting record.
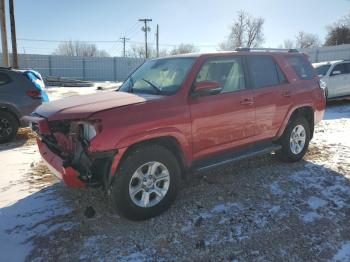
(179, 114)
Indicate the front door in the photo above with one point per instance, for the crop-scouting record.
(224, 120)
(339, 80)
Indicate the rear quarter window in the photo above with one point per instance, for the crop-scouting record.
(301, 66)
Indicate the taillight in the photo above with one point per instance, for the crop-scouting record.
(35, 94)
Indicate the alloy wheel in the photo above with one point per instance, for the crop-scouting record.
(297, 139)
(149, 184)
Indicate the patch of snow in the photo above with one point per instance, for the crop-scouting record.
(310, 217)
(343, 253)
(24, 209)
(275, 188)
(56, 93)
(315, 202)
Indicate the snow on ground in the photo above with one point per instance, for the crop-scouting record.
(256, 210)
(55, 93)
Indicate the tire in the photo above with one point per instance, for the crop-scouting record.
(8, 127)
(131, 176)
(290, 152)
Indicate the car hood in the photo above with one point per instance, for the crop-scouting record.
(81, 107)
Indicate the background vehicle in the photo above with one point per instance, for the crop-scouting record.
(336, 77)
(19, 96)
(177, 115)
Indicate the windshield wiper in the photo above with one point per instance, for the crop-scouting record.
(153, 86)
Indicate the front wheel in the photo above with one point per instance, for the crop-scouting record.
(146, 183)
(295, 140)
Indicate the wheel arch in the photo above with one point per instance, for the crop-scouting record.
(306, 111)
(169, 142)
(12, 110)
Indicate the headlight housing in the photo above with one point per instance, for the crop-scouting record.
(89, 129)
(323, 84)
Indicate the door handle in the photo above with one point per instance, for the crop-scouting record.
(247, 101)
(286, 93)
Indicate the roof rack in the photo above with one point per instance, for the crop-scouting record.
(249, 49)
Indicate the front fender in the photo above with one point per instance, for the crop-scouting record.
(125, 143)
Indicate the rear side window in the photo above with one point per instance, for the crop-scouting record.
(301, 67)
(4, 79)
(264, 71)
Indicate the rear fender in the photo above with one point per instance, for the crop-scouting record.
(288, 117)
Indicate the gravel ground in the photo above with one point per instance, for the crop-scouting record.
(255, 210)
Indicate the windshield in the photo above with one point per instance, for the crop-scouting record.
(322, 69)
(160, 76)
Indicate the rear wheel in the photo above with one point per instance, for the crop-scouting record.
(295, 140)
(8, 127)
(146, 183)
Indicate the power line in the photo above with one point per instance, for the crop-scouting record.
(105, 41)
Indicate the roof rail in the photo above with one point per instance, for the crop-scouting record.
(249, 49)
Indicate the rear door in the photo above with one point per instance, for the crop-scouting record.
(272, 94)
(225, 120)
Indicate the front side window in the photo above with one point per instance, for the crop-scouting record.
(227, 71)
(301, 66)
(341, 69)
(322, 70)
(160, 76)
(264, 71)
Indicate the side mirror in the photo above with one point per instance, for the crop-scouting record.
(334, 73)
(207, 88)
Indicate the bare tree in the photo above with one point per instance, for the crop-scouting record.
(246, 31)
(184, 49)
(138, 51)
(305, 40)
(78, 48)
(288, 44)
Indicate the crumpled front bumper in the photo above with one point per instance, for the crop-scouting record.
(69, 175)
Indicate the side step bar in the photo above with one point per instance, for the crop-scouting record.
(229, 158)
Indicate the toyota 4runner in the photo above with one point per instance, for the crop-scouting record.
(179, 115)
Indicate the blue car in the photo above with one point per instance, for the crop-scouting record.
(38, 81)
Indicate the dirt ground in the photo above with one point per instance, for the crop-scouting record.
(255, 210)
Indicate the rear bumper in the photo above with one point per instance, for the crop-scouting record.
(69, 175)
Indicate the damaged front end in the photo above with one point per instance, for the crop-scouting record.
(65, 147)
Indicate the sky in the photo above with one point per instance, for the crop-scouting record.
(203, 23)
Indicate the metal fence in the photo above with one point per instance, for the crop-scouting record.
(118, 68)
(328, 53)
(84, 68)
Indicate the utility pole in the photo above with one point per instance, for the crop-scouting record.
(5, 54)
(146, 29)
(124, 39)
(157, 40)
(13, 36)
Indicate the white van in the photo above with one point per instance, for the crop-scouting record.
(336, 77)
